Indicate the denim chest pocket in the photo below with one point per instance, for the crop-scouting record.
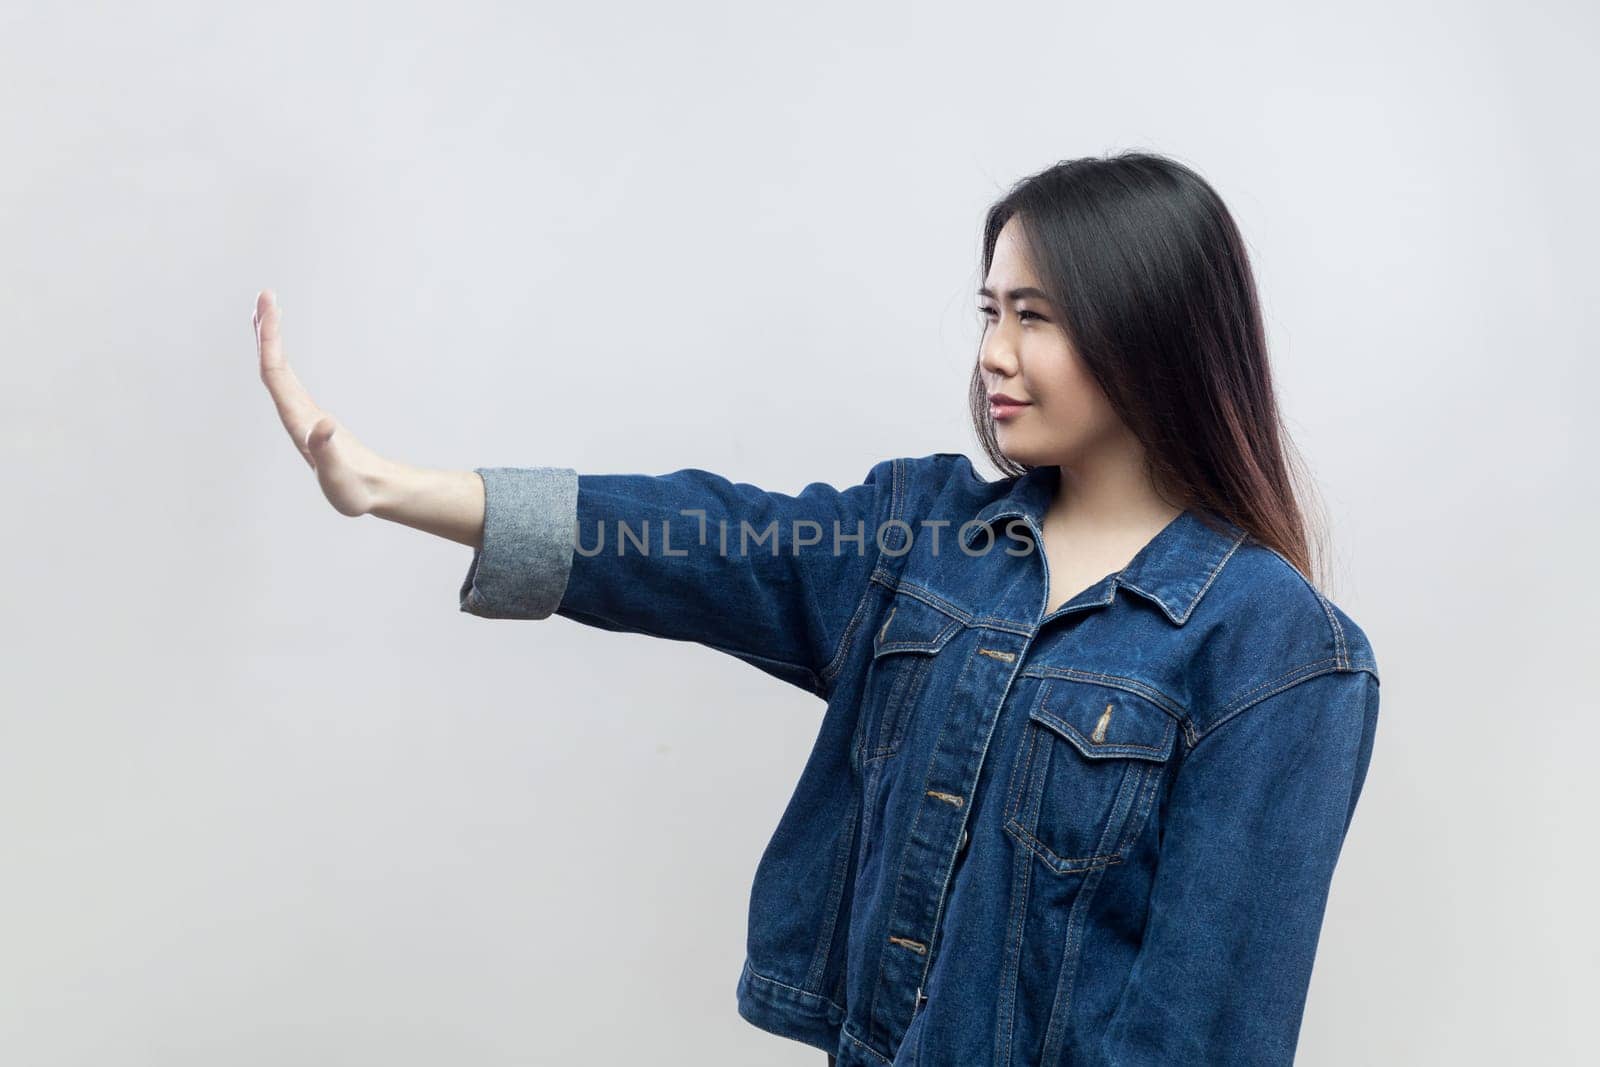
(1086, 771)
(905, 648)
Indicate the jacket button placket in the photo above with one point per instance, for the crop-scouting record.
(939, 830)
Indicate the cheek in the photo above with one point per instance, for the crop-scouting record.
(1065, 390)
(1071, 403)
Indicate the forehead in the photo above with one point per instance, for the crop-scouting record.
(1010, 280)
(1012, 263)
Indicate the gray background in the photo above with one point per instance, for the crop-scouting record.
(267, 797)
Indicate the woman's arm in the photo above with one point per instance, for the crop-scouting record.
(1251, 834)
(777, 580)
(774, 579)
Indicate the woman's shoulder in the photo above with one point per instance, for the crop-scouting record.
(1273, 616)
(945, 483)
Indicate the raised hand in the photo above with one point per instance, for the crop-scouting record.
(346, 469)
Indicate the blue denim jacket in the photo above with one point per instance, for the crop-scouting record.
(1099, 836)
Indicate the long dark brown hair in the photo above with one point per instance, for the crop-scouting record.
(1149, 273)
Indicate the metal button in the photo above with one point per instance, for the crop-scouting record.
(963, 846)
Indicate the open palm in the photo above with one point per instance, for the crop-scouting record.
(345, 467)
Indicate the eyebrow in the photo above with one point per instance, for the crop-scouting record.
(1017, 294)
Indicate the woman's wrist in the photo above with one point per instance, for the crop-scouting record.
(446, 503)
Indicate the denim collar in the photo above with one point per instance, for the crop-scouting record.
(1173, 570)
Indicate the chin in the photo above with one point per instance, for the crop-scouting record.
(1016, 447)
(1019, 449)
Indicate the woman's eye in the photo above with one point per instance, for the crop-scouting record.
(986, 312)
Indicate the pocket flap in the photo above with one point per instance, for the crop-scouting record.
(912, 625)
(1103, 721)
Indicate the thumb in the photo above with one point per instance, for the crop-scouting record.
(321, 433)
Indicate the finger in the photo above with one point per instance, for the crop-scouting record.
(296, 410)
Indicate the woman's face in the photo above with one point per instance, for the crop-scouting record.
(1026, 355)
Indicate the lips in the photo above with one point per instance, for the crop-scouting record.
(1003, 408)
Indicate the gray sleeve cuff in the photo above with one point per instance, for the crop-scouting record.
(528, 520)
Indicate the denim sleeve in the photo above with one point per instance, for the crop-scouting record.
(774, 579)
(1253, 828)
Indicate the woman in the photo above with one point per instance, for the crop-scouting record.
(1093, 736)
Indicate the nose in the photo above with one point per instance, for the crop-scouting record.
(997, 356)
